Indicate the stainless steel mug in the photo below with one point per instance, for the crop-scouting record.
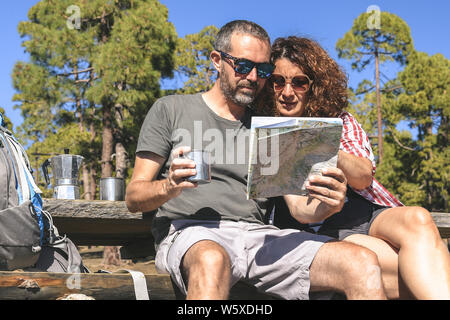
(112, 189)
(202, 161)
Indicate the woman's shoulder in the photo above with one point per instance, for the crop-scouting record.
(348, 118)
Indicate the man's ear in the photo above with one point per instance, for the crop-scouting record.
(216, 59)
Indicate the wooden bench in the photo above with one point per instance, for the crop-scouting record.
(110, 223)
(99, 222)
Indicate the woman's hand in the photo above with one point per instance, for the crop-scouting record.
(330, 188)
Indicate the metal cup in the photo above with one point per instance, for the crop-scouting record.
(112, 189)
(202, 161)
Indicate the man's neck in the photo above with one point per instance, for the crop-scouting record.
(222, 106)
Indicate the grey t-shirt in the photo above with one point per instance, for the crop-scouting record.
(186, 120)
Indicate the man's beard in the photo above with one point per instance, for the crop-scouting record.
(240, 98)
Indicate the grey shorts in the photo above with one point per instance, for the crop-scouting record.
(275, 261)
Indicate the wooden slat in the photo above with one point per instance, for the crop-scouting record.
(442, 221)
(106, 232)
(90, 221)
(99, 222)
(100, 286)
(92, 209)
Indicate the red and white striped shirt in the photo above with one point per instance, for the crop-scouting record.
(355, 141)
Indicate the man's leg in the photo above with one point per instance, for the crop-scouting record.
(348, 268)
(206, 268)
(394, 284)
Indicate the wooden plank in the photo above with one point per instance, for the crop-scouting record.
(91, 209)
(109, 223)
(107, 232)
(99, 222)
(98, 215)
(100, 286)
(442, 221)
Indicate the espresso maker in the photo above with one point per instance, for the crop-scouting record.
(65, 169)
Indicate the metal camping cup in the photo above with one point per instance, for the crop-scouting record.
(202, 161)
(112, 189)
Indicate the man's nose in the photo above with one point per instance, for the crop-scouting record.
(252, 75)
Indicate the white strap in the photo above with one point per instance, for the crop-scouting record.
(20, 172)
(23, 170)
(140, 284)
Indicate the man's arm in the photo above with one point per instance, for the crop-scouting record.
(144, 193)
(326, 197)
(358, 170)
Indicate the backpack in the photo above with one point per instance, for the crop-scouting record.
(28, 238)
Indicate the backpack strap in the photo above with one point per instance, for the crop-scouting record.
(140, 284)
(25, 185)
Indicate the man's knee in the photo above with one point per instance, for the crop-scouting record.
(349, 262)
(207, 255)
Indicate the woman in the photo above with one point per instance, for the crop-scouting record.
(415, 262)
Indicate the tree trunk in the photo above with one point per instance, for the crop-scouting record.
(380, 123)
(79, 112)
(121, 154)
(92, 171)
(111, 255)
(107, 141)
(87, 193)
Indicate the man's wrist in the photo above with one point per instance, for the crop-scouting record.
(166, 188)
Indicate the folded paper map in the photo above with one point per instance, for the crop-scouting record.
(285, 151)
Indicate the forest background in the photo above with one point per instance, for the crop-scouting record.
(90, 70)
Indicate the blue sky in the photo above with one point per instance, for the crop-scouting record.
(324, 21)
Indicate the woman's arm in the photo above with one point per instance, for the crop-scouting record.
(355, 157)
(357, 170)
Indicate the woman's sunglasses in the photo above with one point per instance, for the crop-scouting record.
(299, 83)
(244, 66)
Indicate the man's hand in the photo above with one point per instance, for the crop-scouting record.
(145, 193)
(180, 169)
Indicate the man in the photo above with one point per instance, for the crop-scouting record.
(210, 236)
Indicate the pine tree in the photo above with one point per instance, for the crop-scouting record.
(365, 42)
(193, 62)
(95, 67)
(424, 102)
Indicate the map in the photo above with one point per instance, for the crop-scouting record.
(284, 152)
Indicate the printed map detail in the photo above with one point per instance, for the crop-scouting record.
(285, 151)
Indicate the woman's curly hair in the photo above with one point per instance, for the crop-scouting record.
(327, 96)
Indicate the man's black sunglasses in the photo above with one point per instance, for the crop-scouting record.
(244, 66)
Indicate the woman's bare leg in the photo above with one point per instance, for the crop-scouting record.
(423, 259)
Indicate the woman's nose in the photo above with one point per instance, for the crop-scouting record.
(287, 90)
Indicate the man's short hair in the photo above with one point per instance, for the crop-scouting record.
(223, 38)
